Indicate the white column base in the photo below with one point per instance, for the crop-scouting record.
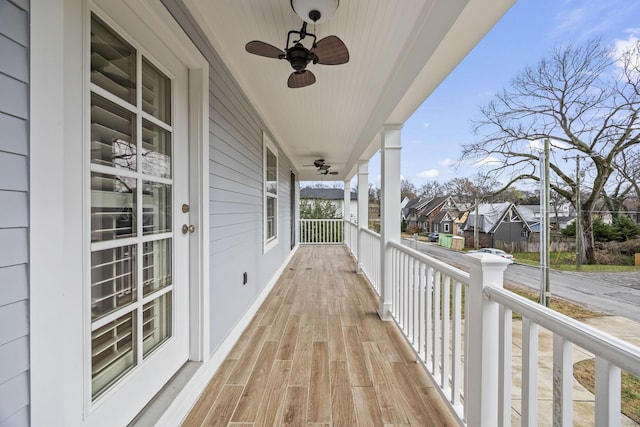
(384, 312)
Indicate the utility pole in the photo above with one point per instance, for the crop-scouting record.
(578, 211)
(578, 219)
(545, 287)
(476, 225)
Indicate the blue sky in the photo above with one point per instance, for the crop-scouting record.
(433, 136)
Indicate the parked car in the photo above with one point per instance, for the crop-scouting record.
(433, 237)
(497, 252)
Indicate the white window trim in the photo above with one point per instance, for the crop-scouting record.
(272, 242)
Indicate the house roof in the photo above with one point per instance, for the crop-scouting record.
(325, 193)
(490, 216)
(416, 204)
(397, 57)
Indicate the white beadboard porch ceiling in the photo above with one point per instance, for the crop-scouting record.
(400, 50)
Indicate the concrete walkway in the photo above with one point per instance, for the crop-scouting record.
(583, 400)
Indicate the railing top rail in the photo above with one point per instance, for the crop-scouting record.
(320, 219)
(621, 353)
(453, 272)
(370, 232)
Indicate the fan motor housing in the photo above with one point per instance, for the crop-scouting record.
(299, 57)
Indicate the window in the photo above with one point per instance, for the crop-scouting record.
(270, 166)
(446, 227)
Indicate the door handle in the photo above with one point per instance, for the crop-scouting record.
(188, 228)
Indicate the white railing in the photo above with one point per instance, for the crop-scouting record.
(321, 231)
(427, 303)
(427, 306)
(611, 356)
(369, 257)
(351, 236)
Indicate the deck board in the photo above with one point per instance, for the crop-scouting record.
(316, 354)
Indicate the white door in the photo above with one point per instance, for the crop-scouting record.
(138, 260)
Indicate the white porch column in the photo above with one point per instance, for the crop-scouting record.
(482, 341)
(346, 210)
(363, 206)
(389, 211)
(346, 215)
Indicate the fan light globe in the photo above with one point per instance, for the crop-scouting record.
(315, 11)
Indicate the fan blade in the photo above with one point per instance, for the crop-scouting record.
(305, 78)
(331, 51)
(264, 49)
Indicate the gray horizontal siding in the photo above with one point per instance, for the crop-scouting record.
(14, 213)
(236, 193)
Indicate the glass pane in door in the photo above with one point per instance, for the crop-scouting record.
(113, 61)
(156, 322)
(156, 268)
(113, 279)
(113, 351)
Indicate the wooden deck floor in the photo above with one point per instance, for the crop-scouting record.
(316, 353)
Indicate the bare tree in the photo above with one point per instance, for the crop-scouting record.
(585, 101)
(478, 188)
(407, 189)
(627, 166)
(431, 189)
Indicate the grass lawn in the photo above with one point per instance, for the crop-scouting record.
(566, 261)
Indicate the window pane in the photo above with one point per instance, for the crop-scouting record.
(113, 279)
(156, 265)
(156, 150)
(113, 352)
(156, 92)
(113, 62)
(272, 173)
(156, 322)
(112, 134)
(157, 207)
(271, 217)
(113, 207)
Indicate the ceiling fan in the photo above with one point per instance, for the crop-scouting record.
(329, 50)
(323, 168)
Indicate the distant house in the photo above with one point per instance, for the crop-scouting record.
(565, 214)
(334, 195)
(438, 214)
(496, 221)
(411, 210)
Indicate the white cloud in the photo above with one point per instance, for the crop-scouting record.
(416, 142)
(625, 47)
(486, 161)
(447, 161)
(426, 125)
(429, 173)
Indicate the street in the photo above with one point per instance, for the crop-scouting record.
(614, 293)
